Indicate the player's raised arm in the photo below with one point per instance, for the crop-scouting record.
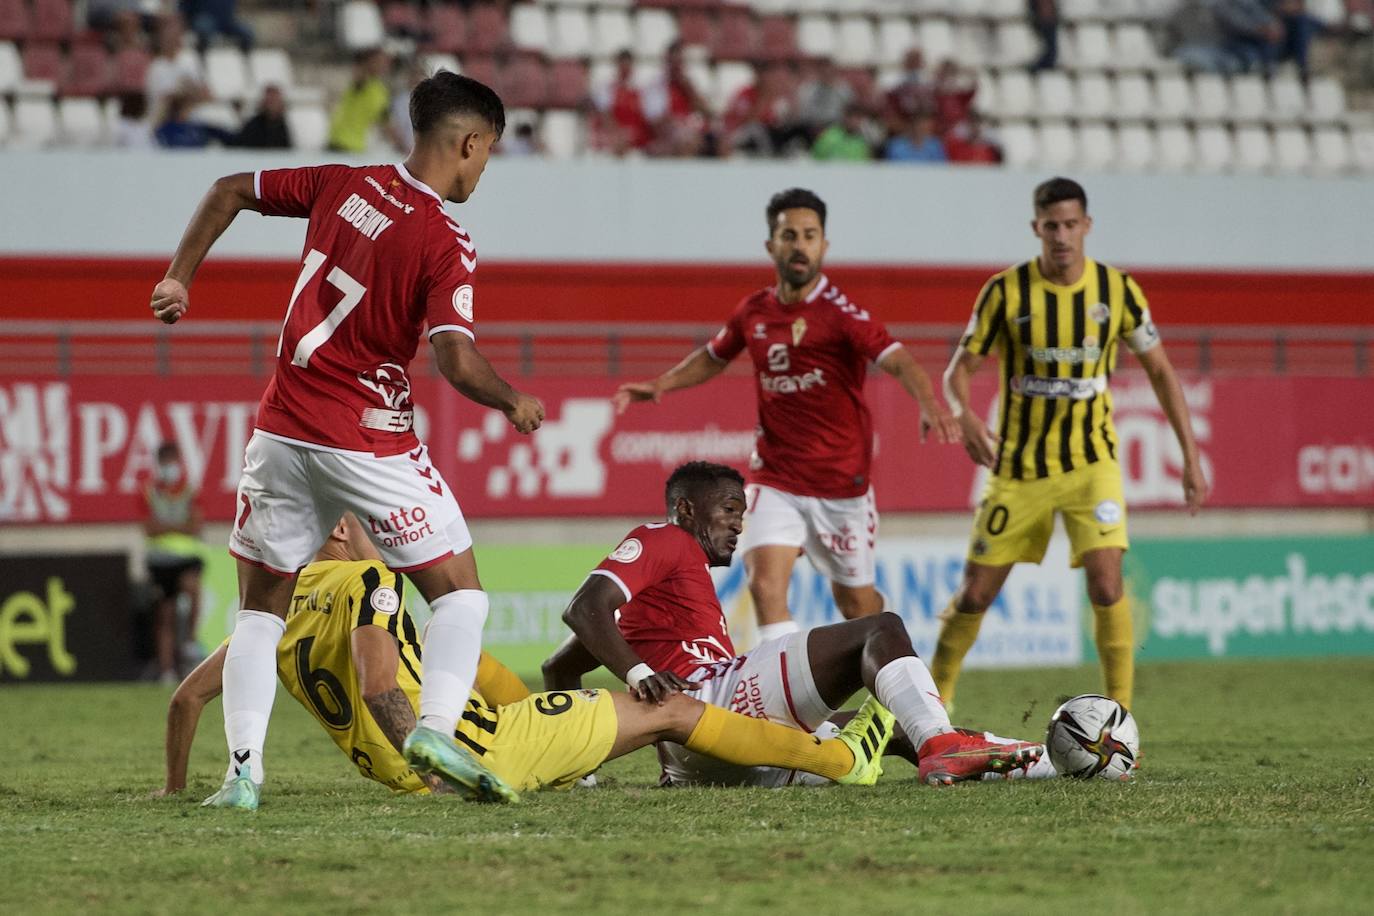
(936, 419)
(699, 366)
(183, 713)
(226, 197)
(980, 442)
(472, 376)
(1170, 394)
(591, 616)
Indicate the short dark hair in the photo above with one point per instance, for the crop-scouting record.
(447, 93)
(1056, 190)
(791, 199)
(688, 478)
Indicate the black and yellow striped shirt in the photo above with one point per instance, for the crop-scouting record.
(1057, 346)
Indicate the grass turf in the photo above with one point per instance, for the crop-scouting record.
(1254, 796)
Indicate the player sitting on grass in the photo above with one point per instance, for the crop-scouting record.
(351, 656)
(650, 614)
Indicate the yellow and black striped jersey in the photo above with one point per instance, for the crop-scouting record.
(1058, 347)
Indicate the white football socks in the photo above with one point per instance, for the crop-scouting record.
(452, 646)
(769, 631)
(906, 688)
(250, 686)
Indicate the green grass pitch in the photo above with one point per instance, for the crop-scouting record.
(1255, 796)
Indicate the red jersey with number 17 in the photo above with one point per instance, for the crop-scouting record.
(381, 261)
(671, 615)
(811, 358)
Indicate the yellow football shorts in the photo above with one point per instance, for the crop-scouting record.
(1016, 517)
(547, 740)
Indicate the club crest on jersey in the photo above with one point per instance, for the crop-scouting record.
(628, 551)
(1108, 512)
(385, 600)
(798, 331)
(760, 331)
(390, 382)
(462, 301)
(1099, 312)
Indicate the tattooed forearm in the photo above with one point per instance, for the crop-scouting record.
(393, 714)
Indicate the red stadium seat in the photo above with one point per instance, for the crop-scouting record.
(488, 29)
(736, 35)
(524, 83)
(403, 18)
(14, 20)
(52, 20)
(860, 79)
(481, 67)
(131, 70)
(90, 70)
(568, 84)
(777, 38)
(44, 61)
(448, 29)
(696, 27)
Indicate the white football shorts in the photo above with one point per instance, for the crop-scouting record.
(838, 536)
(291, 496)
(773, 681)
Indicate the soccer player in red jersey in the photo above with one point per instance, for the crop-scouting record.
(809, 489)
(649, 613)
(335, 429)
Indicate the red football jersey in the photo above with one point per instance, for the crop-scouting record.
(382, 259)
(671, 616)
(811, 359)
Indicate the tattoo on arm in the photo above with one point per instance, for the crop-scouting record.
(393, 714)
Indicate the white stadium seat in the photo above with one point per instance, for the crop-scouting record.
(1133, 48)
(1362, 146)
(570, 32)
(1176, 147)
(1287, 101)
(731, 77)
(81, 122)
(6, 125)
(1090, 48)
(435, 62)
(1053, 94)
(1018, 143)
(856, 42)
(309, 126)
(561, 134)
(1325, 100)
(1131, 97)
(529, 27)
(1096, 147)
(896, 36)
(11, 68)
(226, 73)
(360, 25)
(1249, 100)
(270, 67)
(935, 37)
(611, 32)
(1055, 143)
(1292, 149)
(1215, 150)
(1211, 100)
(1254, 149)
(1173, 97)
(816, 35)
(1135, 144)
(35, 122)
(1016, 44)
(1003, 9)
(217, 114)
(972, 44)
(654, 31)
(1015, 94)
(1331, 149)
(1093, 97)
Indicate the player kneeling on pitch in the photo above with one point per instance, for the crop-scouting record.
(351, 656)
(650, 614)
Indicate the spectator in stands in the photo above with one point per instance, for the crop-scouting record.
(179, 130)
(969, 144)
(623, 124)
(1044, 17)
(761, 119)
(845, 141)
(1299, 28)
(520, 142)
(363, 105)
(1253, 34)
(675, 109)
(131, 128)
(952, 95)
(211, 18)
(913, 94)
(172, 71)
(171, 524)
(267, 128)
(920, 143)
(822, 98)
(107, 15)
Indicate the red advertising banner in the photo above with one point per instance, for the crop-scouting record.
(79, 449)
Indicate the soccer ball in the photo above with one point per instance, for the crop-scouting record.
(1092, 735)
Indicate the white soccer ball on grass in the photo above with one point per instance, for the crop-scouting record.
(1093, 735)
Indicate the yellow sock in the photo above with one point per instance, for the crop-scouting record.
(739, 739)
(958, 633)
(1112, 631)
(497, 684)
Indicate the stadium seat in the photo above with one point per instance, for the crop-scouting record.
(481, 67)
(1331, 150)
(1096, 147)
(524, 82)
(570, 32)
(433, 62)
(1176, 146)
(1362, 149)
(731, 77)
(35, 122)
(1254, 149)
(936, 39)
(1018, 143)
(1325, 100)
(1173, 97)
(896, 36)
(1055, 144)
(1249, 100)
(6, 127)
(561, 134)
(1132, 98)
(1287, 102)
(736, 35)
(1211, 100)
(529, 27)
(654, 31)
(568, 84)
(972, 44)
(1215, 149)
(309, 126)
(270, 67)
(130, 70)
(51, 20)
(1292, 149)
(44, 62)
(1015, 94)
(816, 36)
(1135, 144)
(1090, 48)
(1016, 45)
(1133, 48)
(856, 42)
(216, 113)
(400, 17)
(1003, 9)
(361, 26)
(88, 72)
(611, 32)
(80, 122)
(696, 26)
(11, 67)
(777, 38)
(1053, 94)
(14, 20)
(226, 73)
(448, 29)
(488, 30)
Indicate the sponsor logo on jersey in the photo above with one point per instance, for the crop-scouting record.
(462, 301)
(747, 699)
(790, 384)
(401, 526)
(628, 551)
(705, 649)
(364, 217)
(1108, 512)
(385, 600)
(390, 382)
(377, 185)
(1037, 386)
(1074, 355)
(798, 331)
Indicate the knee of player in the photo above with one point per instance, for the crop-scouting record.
(680, 714)
(974, 599)
(889, 624)
(1105, 591)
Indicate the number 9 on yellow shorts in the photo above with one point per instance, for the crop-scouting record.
(1016, 517)
(547, 740)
